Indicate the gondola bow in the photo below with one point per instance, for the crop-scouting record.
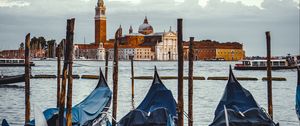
(158, 108)
(241, 107)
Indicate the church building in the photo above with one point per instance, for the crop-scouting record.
(163, 45)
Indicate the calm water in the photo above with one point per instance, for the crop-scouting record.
(207, 93)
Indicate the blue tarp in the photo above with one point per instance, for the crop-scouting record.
(158, 108)
(241, 107)
(89, 109)
(4, 123)
(298, 95)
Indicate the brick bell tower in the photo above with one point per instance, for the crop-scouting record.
(100, 23)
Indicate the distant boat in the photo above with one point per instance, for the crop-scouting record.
(214, 59)
(241, 108)
(157, 109)
(276, 64)
(90, 112)
(13, 62)
(12, 79)
(298, 95)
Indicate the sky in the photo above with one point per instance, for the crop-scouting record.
(244, 21)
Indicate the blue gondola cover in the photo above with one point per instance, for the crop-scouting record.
(4, 123)
(158, 108)
(241, 107)
(298, 95)
(89, 110)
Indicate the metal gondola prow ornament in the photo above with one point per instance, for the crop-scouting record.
(102, 81)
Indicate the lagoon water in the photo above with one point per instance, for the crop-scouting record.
(207, 93)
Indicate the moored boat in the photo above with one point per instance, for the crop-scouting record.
(277, 64)
(13, 62)
(157, 109)
(12, 79)
(238, 107)
(91, 111)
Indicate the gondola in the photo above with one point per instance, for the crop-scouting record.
(298, 95)
(239, 107)
(12, 79)
(157, 109)
(91, 111)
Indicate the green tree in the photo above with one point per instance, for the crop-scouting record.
(42, 42)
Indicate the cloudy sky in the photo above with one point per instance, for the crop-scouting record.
(223, 20)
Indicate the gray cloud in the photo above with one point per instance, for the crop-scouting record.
(222, 21)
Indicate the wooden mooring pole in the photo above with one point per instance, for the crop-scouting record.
(180, 103)
(190, 81)
(106, 65)
(63, 89)
(62, 101)
(69, 38)
(118, 36)
(269, 75)
(132, 81)
(58, 55)
(27, 79)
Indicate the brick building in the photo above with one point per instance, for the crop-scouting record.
(89, 51)
(213, 50)
(12, 54)
(20, 54)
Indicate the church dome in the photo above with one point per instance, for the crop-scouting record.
(145, 28)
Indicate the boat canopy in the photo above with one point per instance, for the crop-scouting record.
(157, 108)
(241, 108)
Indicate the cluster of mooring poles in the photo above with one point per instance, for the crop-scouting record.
(61, 86)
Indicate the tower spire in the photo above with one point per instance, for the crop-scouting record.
(145, 20)
(130, 29)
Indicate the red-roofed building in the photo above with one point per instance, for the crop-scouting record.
(213, 50)
(89, 51)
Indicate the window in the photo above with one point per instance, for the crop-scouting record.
(262, 63)
(282, 63)
(246, 62)
(255, 63)
(275, 63)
